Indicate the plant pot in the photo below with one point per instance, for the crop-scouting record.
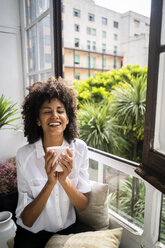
(7, 228)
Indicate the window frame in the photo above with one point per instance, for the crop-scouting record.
(76, 27)
(115, 24)
(76, 11)
(91, 17)
(104, 20)
(54, 11)
(152, 168)
(76, 42)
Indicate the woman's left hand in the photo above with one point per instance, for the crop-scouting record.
(66, 162)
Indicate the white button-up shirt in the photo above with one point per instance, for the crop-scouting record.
(59, 212)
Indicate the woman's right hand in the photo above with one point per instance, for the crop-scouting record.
(50, 168)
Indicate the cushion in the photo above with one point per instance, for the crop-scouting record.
(96, 239)
(96, 213)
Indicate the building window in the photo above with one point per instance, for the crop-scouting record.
(88, 44)
(76, 59)
(104, 34)
(114, 63)
(76, 27)
(76, 42)
(136, 23)
(104, 62)
(115, 49)
(94, 46)
(77, 75)
(88, 30)
(103, 47)
(76, 12)
(115, 24)
(115, 37)
(88, 62)
(104, 21)
(93, 31)
(94, 62)
(91, 17)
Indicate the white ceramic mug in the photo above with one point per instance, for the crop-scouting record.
(58, 150)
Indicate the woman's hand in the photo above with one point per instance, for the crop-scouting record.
(50, 168)
(66, 162)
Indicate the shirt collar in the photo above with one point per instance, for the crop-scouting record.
(40, 150)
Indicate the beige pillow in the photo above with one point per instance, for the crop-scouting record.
(96, 239)
(96, 214)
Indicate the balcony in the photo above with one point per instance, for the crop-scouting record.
(134, 236)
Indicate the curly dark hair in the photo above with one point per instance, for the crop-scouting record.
(42, 91)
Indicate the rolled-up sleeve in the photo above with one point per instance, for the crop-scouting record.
(24, 191)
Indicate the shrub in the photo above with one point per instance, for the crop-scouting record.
(8, 177)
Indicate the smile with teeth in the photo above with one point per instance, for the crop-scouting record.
(54, 124)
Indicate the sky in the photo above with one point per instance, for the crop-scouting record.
(142, 7)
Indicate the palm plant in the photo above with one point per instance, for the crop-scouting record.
(131, 200)
(128, 107)
(7, 111)
(98, 128)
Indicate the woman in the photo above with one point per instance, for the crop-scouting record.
(47, 198)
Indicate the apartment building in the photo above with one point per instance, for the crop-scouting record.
(99, 39)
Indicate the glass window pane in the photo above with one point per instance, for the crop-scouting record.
(45, 43)
(162, 224)
(163, 25)
(33, 78)
(93, 167)
(126, 195)
(32, 49)
(42, 5)
(30, 11)
(48, 75)
(159, 141)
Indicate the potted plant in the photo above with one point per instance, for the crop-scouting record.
(8, 187)
(7, 111)
(8, 182)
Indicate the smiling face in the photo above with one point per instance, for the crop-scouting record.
(53, 119)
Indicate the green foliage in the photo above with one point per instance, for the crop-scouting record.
(128, 105)
(98, 128)
(125, 93)
(99, 88)
(7, 111)
(125, 197)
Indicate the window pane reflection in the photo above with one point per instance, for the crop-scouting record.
(45, 43)
(126, 195)
(32, 49)
(162, 224)
(32, 79)
(163, 25)
(42, 5)
(30, 11)
(159, 141)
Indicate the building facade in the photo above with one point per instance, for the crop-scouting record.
(99, 39)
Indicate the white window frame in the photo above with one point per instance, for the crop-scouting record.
(133, 236)
(24, 29)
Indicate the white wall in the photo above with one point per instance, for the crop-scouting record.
(10, 71)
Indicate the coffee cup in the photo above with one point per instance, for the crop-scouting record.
(58, 150)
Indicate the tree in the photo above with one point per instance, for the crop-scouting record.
(128, 105)
(99, 88)
(98, 128)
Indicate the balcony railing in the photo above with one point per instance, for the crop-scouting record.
(116, 172)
